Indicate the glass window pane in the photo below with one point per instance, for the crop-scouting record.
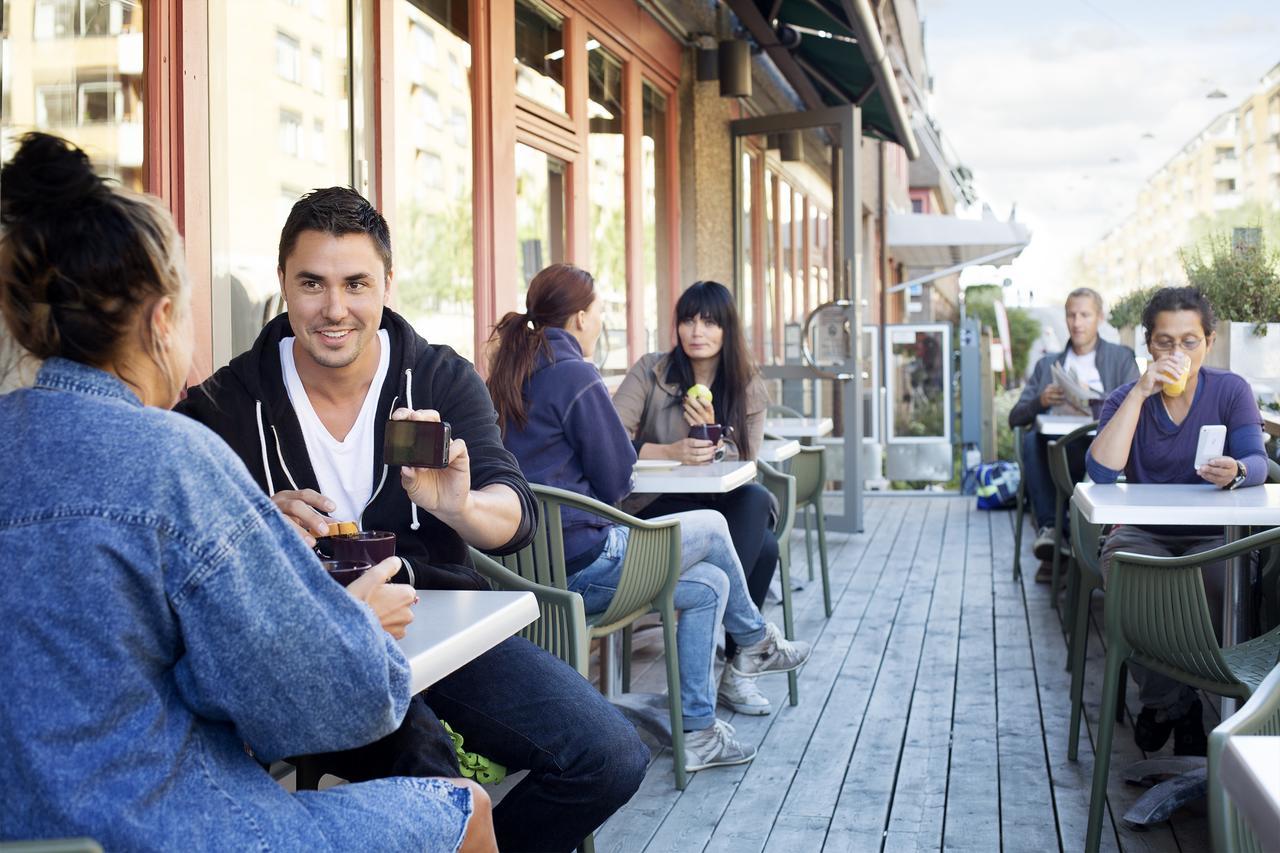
(256, 179)
(607, 197)
(540, 208)
(771, 267)
(746, 288)
(918, 383)
(655, 204)
(540, 55)
(78, 73)
(435, 266)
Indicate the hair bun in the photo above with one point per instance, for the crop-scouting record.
(47, 177)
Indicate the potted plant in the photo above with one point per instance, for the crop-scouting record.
(1241, 278)
(1126, 316)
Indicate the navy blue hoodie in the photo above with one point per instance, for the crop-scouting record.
(573, 440)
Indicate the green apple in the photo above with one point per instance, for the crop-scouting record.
(699, 392)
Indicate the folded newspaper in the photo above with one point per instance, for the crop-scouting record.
(1077, 394)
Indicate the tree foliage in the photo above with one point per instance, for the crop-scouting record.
(1242, 281)
(979, 302)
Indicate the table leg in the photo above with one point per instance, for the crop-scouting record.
(1236, 601)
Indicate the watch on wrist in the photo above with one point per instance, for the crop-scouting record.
(1241, 473)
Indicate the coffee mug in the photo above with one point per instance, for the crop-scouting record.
(346, 571)
(707, 432)
(370, 546)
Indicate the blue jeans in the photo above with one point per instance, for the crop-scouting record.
(526, 709)
(1035, 471)
(712, 589)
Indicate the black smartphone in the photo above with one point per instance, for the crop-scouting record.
(416, 444)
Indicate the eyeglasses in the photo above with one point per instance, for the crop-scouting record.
(1164, 345)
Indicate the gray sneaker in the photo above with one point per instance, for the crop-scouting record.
(774, 653)
(1043, 546)
(715, 746)
(742, 695)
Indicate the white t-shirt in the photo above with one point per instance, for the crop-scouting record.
(344, 469)
(1086, 368)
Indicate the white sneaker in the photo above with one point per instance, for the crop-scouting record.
(774, 653)
(715, 746)
(742, 695)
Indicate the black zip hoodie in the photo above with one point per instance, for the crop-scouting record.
(246, 403)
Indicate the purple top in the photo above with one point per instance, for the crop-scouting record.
(1164, 452)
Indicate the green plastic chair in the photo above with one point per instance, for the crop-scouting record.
(1063, 486)
(1020, 503)
(1157, 616)
(809, 468)
(1259, 716)
(53, 845)
(650, 570)
(1086, 543)
(783, 487)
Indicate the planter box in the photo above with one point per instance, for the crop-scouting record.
(1239, 350)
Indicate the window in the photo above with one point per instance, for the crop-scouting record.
(287, 57)
(101, 103)
(316, 71)
(656, 250)
(56, 19)
(1222, 155)
(540, 55)
(606, 199)
(1224, 185)
(290, 132)
(540, 211)
(917, 205)
(1248, 122)
(55, 106)
(435, 264)
(317, 9)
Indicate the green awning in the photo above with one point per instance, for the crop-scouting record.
(840, 63)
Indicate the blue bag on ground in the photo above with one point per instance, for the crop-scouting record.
(997, 484)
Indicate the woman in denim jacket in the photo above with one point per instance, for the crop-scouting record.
(161, 617)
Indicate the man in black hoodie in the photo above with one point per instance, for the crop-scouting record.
(305, 409)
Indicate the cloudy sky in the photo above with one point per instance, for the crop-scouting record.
(1049, 103)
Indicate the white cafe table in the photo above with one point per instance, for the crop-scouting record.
(1060, 424)
(1177, 506)
(799, 427)
(451, 628)
(1251, 776)
(711, 478)
(774, 450)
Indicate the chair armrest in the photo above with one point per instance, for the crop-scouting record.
(561, 627)
(1255, 542)
(595, 507)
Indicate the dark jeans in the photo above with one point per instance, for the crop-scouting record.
(527, 710)
(1035, 462)
(746, 510)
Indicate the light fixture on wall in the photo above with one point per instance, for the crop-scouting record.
(708, 58)
(734, 57)
(791, 146)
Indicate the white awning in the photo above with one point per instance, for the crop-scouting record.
(929, 241)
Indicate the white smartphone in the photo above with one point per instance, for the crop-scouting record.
(1213, 437)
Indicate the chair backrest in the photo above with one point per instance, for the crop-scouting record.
(649, 568)
(1086, 541)
(1259, 716)
(809, 468)
(1059, 469)
(783, 488)
(1158, 605)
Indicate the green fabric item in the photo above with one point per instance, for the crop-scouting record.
(473, 765)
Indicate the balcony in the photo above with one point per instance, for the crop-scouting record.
(1227, 201)
(1226, 169)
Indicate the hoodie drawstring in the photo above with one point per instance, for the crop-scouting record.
(408, 398)
(262, 442)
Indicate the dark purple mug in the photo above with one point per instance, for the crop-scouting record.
(707, 432)
(346, 571)
(370, 546)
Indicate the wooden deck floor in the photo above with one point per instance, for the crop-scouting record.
(933, 714)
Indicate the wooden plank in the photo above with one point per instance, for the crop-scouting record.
(638, 823)
(1026, 790)
(867, 792)
(862, 625)
(919, 802)
(973, 791)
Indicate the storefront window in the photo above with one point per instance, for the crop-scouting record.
(433, 240)
(540, 207)
(786, 283)
(540, 55)
(607, 197)
(656, 266)
(255, 182)
(75, 68)
(772, 239)
(746, 287)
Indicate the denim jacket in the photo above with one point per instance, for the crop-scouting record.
(159, 616)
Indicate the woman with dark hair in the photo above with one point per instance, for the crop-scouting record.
(1148, 431)
(558, 422)
(162, 615)
(659, 412)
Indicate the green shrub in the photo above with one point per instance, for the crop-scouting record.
(1242, 282)
(979, 302)
(1127, 310)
